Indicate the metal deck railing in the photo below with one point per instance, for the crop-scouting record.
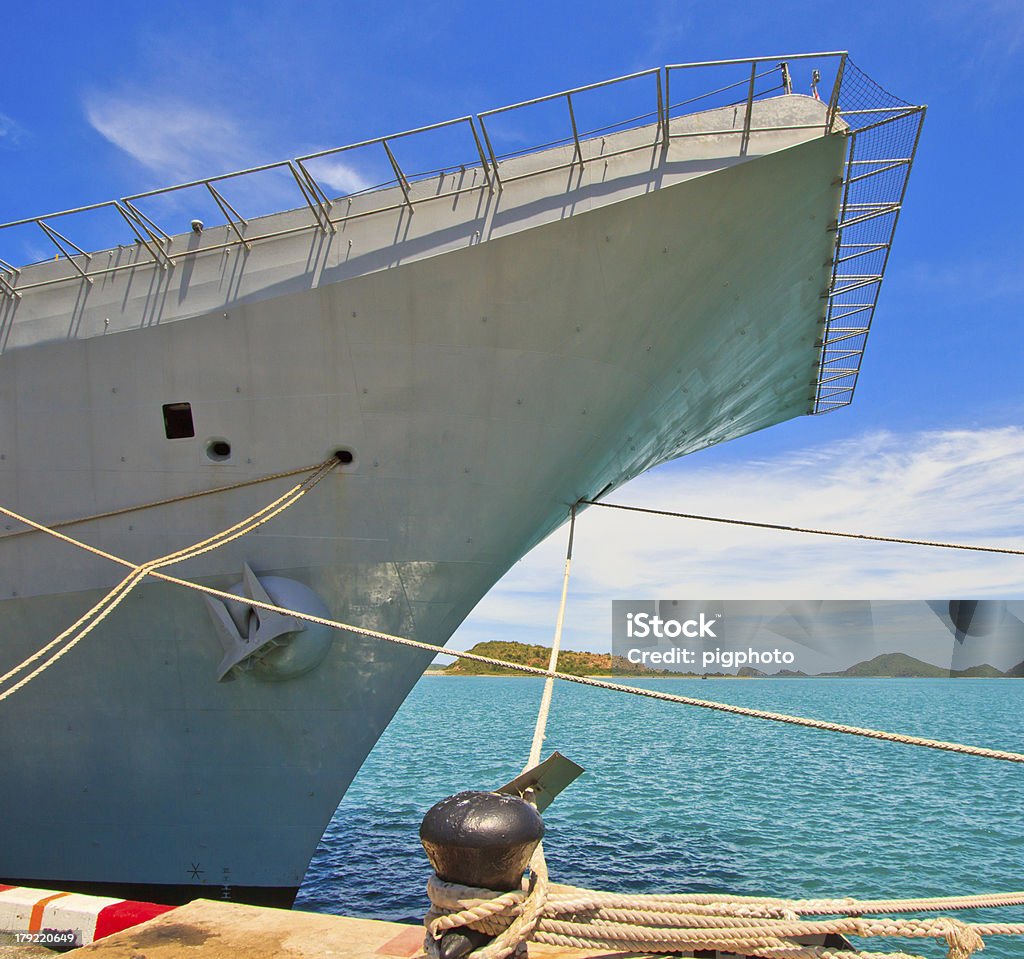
(882, 131)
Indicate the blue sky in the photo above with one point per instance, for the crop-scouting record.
(102, 103)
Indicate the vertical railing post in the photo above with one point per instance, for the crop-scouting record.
(480, 153)
(152, 244)
(230, 213)
(745, 141)
(575, 130)
(58, 240)
(402, 181)
(662, 119)
(668, 102)
(315, 198)
(158, 235)
(833, 100)
(490, 148)
(7, 285)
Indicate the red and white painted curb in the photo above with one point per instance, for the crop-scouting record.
(33, 910)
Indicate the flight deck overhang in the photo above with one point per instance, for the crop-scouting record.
(695, 125)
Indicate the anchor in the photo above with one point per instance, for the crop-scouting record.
(267, 631)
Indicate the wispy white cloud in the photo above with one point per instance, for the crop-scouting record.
(340, 176)
(12, 133)
(173, 138)
(962, 486)
(177, 140)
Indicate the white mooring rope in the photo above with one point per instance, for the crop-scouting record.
(961, 748)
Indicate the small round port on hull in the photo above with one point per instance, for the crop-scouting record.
(218, 450)
(345, 456)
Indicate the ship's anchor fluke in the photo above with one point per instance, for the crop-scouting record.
(266, 643)
(265, 627)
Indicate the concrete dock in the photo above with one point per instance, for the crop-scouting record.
(205, 929)
(208, 929)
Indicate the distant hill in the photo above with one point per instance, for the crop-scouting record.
(902, 666)
(895, 665)
(984, 671)
(574, 662)
(582, 663)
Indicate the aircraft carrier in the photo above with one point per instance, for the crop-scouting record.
(479, 345)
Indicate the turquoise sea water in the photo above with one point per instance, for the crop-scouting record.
(684, 800)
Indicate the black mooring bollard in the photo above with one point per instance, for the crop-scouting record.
(479, 839)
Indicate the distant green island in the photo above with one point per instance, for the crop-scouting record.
(582, 663)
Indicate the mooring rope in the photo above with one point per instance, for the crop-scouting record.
(166, 501)
(805, 529)
(90, 619)
(537, 671)
(752, 925)
(556, 645)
